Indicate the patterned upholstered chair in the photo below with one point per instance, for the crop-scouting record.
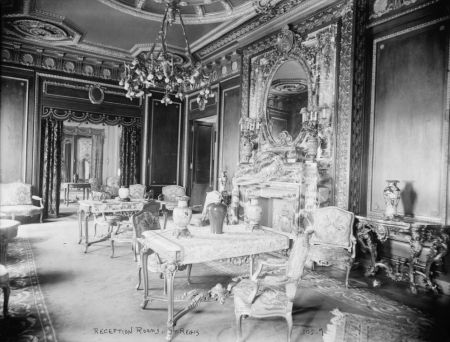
(170, 194)
(124, 231)
(137, 191)
(272, 296)
(332, 240)
(142, 221)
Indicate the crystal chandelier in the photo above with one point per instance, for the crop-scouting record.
(160, 70)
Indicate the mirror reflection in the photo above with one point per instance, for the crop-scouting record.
(287, 99)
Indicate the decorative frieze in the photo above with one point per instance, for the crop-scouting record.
(68, 64)
(92, 117)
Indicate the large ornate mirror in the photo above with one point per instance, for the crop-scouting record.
(287, 100)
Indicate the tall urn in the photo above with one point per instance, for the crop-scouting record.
(253, 211)
(217, 213)
(391, 195)
(182, 216)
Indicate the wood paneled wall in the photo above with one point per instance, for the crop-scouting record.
(17, 125)
(229, 123)
(409, 124)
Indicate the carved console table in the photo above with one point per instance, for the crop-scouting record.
(409, 249)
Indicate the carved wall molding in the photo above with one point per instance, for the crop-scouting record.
(55, 60)
(247, 28)
(92, 117)
(356, 194)
(343, 137)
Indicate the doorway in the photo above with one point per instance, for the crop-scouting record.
(203, 150)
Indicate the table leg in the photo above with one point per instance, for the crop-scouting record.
(68, 195)
(144, 262)
(66, 199)
(80, 225)
(252, 259)
(170, 271)
(86, 232)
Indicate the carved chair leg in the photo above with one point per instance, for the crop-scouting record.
(112, 248)
(347, 275)
(6, 292)
(139, 278)
(41, 216)
(165, 214)
(238, 327)
(189, 268)
(290, 325)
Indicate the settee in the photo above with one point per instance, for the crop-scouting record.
(16, 200)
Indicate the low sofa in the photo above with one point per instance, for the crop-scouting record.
(16, 200)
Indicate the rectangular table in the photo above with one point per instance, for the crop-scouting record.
(203, 246)
(84, 186)
(90, 207)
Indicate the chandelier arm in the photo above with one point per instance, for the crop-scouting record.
(163, 32)
(185, 37)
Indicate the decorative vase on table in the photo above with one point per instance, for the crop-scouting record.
(124, 193)
(391, 196)
(216, 214)
(253, 211)
(182, 216)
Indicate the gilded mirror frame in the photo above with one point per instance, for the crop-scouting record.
(316, 53)
(284, 138)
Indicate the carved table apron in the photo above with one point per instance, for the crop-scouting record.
(203, 246)
(89, 207)
(414, 247)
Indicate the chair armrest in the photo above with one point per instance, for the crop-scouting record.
(262, 263)
(37, 198)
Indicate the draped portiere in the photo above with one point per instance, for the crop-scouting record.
(97, 156)
(51, 135)
(129, 155)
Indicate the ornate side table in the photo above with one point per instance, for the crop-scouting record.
(408, 249)
(8, 231)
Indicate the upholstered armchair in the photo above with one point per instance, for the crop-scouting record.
(331, 238)
(142, 221)
(137, 191)
(112, 186)
(170, 194)
(126, 231)
(272, 296)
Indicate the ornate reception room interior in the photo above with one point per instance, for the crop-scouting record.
(276, 109)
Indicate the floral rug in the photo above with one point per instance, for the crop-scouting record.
(379, 319)
(347, 327)
(28, 319)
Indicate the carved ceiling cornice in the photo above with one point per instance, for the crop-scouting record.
(54, 59)
(271, 18)
(193, 12)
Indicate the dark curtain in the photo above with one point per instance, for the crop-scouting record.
(97, 157)
(51, 133)
(129, 155)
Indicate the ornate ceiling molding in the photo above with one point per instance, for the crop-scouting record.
(49, 30)
(193, 11)
(273, 17)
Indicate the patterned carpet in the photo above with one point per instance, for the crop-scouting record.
(378, 319)
(29, 320)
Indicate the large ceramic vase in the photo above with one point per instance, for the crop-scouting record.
(253, 211)
(216, 214)
(124, 193)
(182, 216)
(391, 196)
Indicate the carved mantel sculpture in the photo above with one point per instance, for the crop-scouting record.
(287, 134)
